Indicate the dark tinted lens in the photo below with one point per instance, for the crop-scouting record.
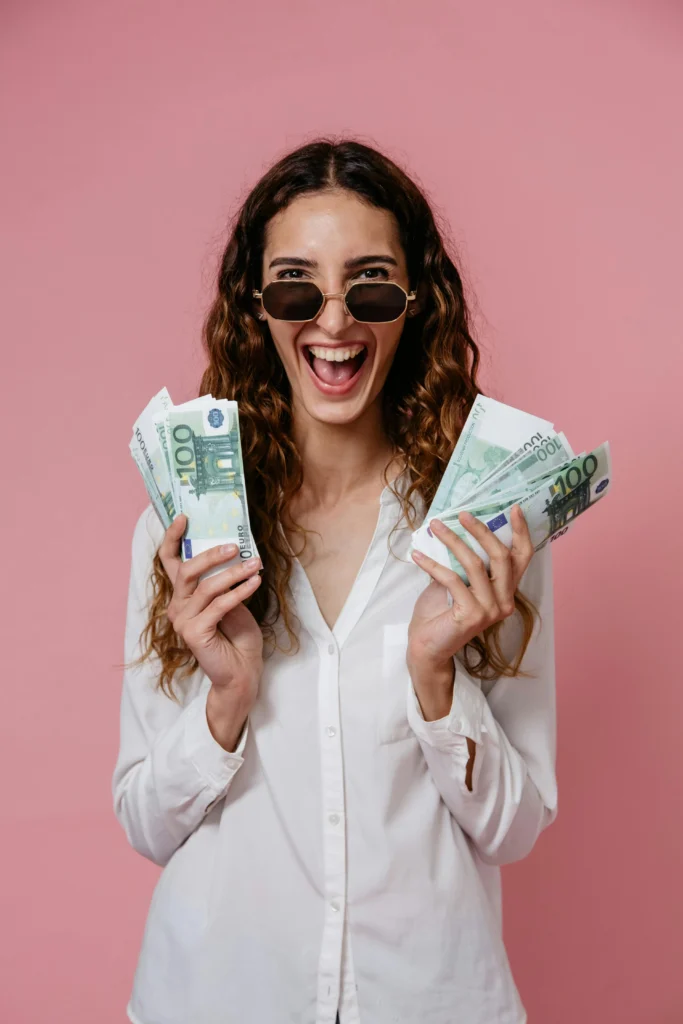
(292, 300)
(376, 303)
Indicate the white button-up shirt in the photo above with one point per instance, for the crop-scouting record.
(336, 861)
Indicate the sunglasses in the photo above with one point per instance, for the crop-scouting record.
(368, 302)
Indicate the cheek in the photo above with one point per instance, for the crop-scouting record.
(386, 340)
(284, 339)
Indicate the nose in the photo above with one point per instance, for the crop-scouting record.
(333, 318)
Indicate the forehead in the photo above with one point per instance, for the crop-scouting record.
(335, 223)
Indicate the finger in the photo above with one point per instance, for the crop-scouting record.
(218, 584)
(462, 594)
(501, 566)
(190, 571)
(522, 549)
(169, 549)
(473, 565)
(203, 627)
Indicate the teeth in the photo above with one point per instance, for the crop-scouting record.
(335, 355)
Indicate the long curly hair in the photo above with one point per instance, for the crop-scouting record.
(427, 396)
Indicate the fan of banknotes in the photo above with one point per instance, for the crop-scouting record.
(190, 459)
(505, 457)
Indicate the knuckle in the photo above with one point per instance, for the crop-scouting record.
(502, 553)
(480, 619)
(507, 608)
(178, 622)
(206, 588)
(239, 571)
(190, 636)
(470, 558)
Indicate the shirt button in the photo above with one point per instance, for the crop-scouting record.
(333, 819)
(330, 648)
(334, 905)
(331, 731)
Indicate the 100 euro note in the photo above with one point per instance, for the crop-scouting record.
(550, 507)
(146, 447)
(532, 461)
(493, 434)
(207, 476)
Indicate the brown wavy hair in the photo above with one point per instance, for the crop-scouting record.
(427, 396)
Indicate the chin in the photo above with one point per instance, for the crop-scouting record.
(337, 413)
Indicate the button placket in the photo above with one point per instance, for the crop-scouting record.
(333, 832)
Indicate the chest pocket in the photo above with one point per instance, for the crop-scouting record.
(393, 689)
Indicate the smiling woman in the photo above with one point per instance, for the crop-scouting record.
(348, 756)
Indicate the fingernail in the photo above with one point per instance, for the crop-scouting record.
(436, 523)
(466, 517)
(229, 549)
(418, 555)
(251, 563)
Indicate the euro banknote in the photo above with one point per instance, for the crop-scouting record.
(146, 446)
(492, 434)
(190, 458)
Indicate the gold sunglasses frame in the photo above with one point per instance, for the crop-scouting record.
(410, 296)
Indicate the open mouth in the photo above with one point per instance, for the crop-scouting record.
(336, 367)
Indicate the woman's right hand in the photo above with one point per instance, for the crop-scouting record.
(223, 635)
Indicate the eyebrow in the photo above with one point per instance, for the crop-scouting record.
(358, 261)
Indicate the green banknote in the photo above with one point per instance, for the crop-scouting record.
(147, 448)
(207, 475)
(190, 459)
(492, 434)
(535, 459)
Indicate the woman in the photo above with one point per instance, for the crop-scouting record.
(355, 741)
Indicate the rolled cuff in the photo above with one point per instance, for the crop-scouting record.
(215, 765)
(465, 718)
(449, 734)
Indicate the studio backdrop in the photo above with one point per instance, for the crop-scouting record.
(548, 138)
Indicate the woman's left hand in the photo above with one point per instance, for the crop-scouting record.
(437, 631)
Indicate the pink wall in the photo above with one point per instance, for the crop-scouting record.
(549, 135)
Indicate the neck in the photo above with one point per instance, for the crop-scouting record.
(342, 460)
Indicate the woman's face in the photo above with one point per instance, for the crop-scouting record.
(315, 239)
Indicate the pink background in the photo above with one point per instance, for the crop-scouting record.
(549, 136)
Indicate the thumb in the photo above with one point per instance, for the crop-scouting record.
(169, 547)
(177, 527)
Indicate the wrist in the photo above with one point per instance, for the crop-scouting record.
(226, 715)
(433, 685)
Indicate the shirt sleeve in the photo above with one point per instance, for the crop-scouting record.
(170, 769)
(514, 790)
